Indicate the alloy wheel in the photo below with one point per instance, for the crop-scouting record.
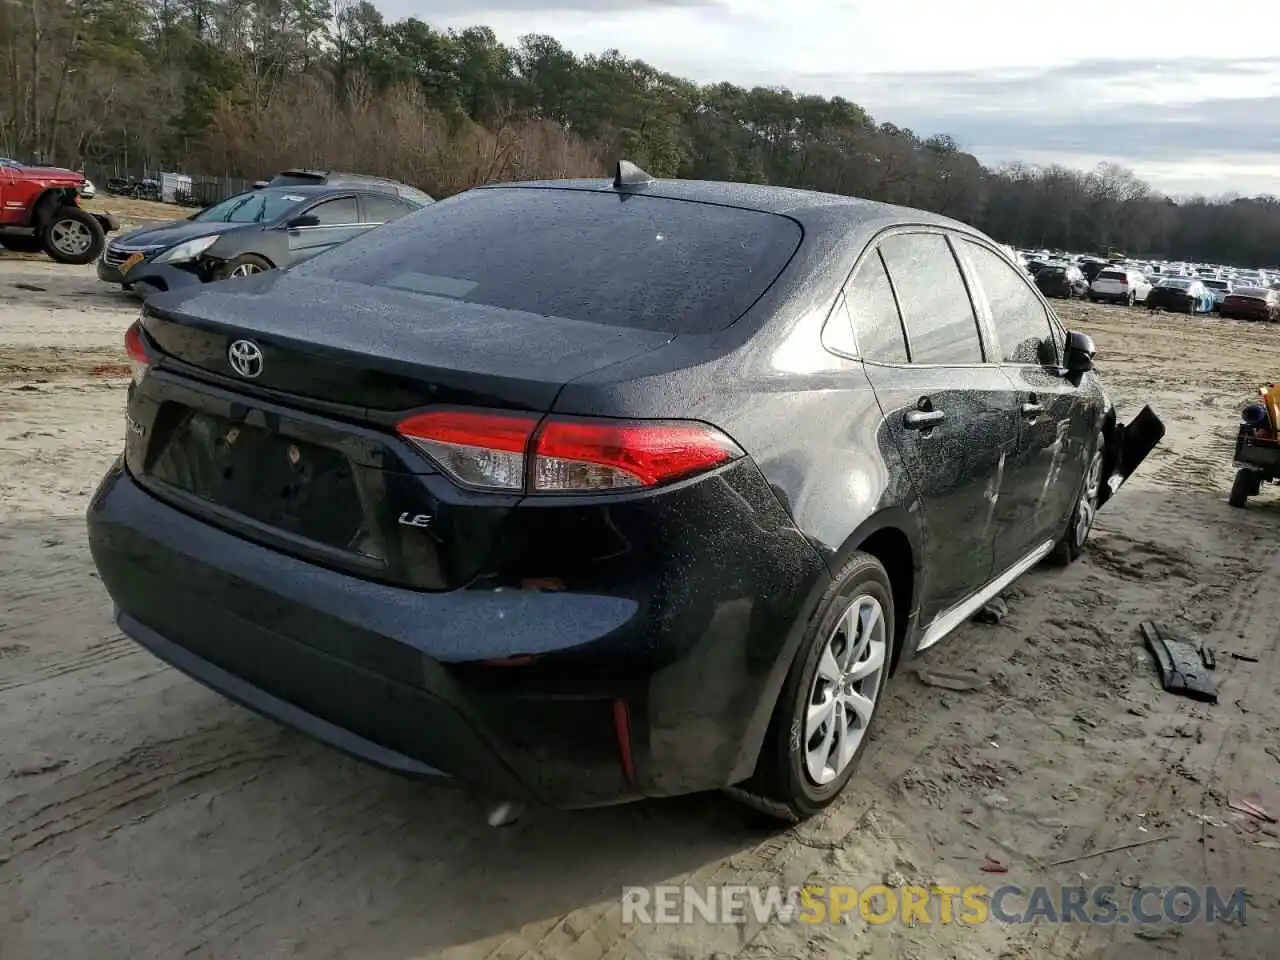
(845, 687)
(244, 270)
(71, 238)
(1087, 508)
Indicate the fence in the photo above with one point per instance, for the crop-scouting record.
(205, 189)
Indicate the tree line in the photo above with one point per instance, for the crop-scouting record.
(247, 87)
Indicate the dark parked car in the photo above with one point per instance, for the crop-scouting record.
(265, 228)
(1091, 268)
(1180, 294)
(1063, 281)
(1251, 303)
(336, 178)
(652, 505)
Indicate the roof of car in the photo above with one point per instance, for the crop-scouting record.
(808, 207)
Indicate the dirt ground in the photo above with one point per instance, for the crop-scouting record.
(133, 213)
(143, 816)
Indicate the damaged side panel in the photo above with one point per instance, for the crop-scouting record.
(1128, 444)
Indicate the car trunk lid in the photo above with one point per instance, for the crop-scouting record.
(382, 348)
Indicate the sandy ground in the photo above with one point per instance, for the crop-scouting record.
(143, 816)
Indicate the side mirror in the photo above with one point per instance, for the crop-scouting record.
(1079, 353)
(306, 220)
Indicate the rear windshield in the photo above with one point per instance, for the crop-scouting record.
(1173, 282)
(1216, 284)
(619, 260)
(1113, 275)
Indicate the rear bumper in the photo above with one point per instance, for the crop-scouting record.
(397, 677)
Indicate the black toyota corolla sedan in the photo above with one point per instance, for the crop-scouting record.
(584, 491)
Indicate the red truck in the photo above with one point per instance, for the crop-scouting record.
(40, 210)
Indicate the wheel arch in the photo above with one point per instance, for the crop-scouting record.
(46, 205)
(894, 537)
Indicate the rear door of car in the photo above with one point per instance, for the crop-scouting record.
(338, 220)
(1055, 416)
(948, 406)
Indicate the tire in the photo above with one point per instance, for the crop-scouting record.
(73, 236)
(1071, 545)
(785, 774)
(1131, 299)
(245, 265)
(22, 244)
(1242, 488)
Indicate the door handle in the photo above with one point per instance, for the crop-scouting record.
(923, 419)
(1032, 410)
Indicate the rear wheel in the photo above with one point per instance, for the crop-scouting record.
(832, 694)
(245, 265)
(1131, 299)
(1080, 525)
(73, 236)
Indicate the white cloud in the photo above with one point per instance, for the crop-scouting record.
(1073, 76)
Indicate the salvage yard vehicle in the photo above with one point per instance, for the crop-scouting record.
(40, 211)
(1251, 303)
(652, 505)
(249, 233)
(1257, 455)
(1119, 285)
(1181, 295)
(1062, 280)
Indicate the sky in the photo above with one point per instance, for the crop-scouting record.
(1185, 94)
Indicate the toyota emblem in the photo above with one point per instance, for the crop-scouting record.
(245, 358)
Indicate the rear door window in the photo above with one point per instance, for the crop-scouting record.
(1021, 320)
(622, 260)
(939, 319)
(874, 311)
(336, 213)
(380, 209)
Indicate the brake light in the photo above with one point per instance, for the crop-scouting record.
(576, 455)
(495, 451)
(135, 344)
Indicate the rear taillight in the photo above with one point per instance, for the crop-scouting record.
(514, 452)
(139, 356)
(484, 451)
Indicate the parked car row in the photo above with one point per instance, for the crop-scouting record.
(1181, 292)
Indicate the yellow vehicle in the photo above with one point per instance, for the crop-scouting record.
(1257, 446)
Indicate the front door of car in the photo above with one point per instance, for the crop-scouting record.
(948, 409)
(1058, 418)
(325, 225)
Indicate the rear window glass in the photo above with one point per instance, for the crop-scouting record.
(618, 260)
(1112, 275)
(932, 298)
